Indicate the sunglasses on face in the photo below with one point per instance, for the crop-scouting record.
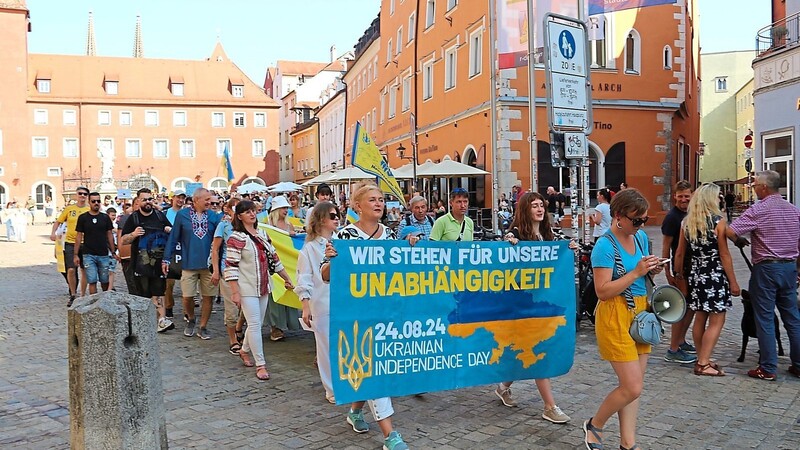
(148, 199)
(214, 203)
(334, 216)
(638, 221)
(94, 201)
(459, 191)
(83, 194)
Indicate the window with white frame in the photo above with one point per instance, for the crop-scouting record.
(260, 120)
(70, 148)
(406, 93)
(112, 87)
(430, 13)
(258, 148)
(187, 148)
(368, 122)
(151, 118)
(383, 107)
(633, 53)
(391, 7)
(427, 80)
(374, 119)
(667, 57)
(476, 53)
(178, 118)
(43, 86)
(721, 84)
(451, 4)
(70, 117)
(392, 101)
(160, 148)
(399, 41)
(125, 118)
(412, 26)
(104, 117)
(40, 149)
(238, 120)
(375, 69)
(389, 51)
(222, 144)
(133, 148)
(177, 89)
(237, 90)
(450, 69)
(40, 117)
(54, 171)
(218, 119)
(598, 44)
(105, 145)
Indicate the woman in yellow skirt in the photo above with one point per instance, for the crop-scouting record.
(621, 258)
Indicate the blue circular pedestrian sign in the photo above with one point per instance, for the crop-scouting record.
(566, 44)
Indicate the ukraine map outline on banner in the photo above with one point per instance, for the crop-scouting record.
(367, 157)
(447, 315)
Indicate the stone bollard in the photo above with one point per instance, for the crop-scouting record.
(115, 393)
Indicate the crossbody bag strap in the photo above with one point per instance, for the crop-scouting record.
(619, 269)
(641, 249)
(461, 234)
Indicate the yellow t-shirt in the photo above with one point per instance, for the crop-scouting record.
(70, 216)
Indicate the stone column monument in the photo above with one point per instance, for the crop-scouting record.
(115, 390)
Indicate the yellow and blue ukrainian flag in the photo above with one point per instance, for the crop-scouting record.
(288, 248)
(225, 162)
(367, 158)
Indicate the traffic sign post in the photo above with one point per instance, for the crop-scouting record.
(748, 141)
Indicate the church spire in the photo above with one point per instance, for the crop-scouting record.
(90, 45)
(138, 50)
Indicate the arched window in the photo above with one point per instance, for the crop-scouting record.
(3, 195)
(598, 30)
(180, 183)
(254, 180)
(615, 165)
(218, 184)
(633, 53)
(667, 57)
(42, 191)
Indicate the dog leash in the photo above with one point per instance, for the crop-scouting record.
(749, 264)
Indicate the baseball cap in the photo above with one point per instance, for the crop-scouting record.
(177, 192)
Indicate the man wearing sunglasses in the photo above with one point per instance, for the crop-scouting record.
(70, 217)
(455, 225)
(94, 236)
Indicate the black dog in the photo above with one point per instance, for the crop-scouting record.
(749, 326)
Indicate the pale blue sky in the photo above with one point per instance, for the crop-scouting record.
(257, 33)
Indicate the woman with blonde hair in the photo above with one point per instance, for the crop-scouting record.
(295, 208)
(711, 280)
(313, 292)
(621, 259)
(369, 203)
(278, 213)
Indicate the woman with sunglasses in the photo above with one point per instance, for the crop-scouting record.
(368, 202)
(711, 279)
(312, 291)
(621, 259)
(532, 223)
(250, 260)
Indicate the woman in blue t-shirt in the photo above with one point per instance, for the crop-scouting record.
(621, 259)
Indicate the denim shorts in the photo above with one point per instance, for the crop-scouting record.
(112, 264)
(96, 268)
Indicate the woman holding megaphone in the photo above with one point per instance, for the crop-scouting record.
(621, 259)
(711, 280)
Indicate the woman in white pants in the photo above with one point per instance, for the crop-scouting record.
(249, 262)
(369, 204)
(313, 292)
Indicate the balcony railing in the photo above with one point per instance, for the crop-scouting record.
(779, 35)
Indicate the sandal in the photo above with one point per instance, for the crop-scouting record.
(634, 447)
(234, 349)
(589, 428)
(700, 369)
(245, 359)
(262, 374)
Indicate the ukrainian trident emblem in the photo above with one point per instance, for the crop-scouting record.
(355, 364)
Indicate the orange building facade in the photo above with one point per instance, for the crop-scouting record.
(432, 60)
(72, 120)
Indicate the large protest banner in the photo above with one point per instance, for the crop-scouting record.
(446, 315)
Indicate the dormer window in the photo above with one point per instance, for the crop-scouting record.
(176, 85)
(111, 84)
(237, 90)
(43, 86)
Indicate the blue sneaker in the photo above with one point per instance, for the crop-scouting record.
(680, 357)
(688, 348)
(356, 420)
(394, 442)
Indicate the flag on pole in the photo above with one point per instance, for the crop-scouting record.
(367, 158)
(225, 162)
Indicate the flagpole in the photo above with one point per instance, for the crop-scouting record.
(532, 142)
(493, 107)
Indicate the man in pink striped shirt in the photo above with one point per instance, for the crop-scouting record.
(774, 228)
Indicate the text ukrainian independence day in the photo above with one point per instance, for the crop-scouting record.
(446, 315)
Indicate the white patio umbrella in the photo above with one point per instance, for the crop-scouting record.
(249, 188)
(319, 179)
(448, 168)
(350, 173)
(405, 172)
(285, 186)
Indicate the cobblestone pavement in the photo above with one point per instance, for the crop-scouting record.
(213, 402)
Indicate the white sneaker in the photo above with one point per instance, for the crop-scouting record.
(555, 415)
(165, 325)
(504, 394)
